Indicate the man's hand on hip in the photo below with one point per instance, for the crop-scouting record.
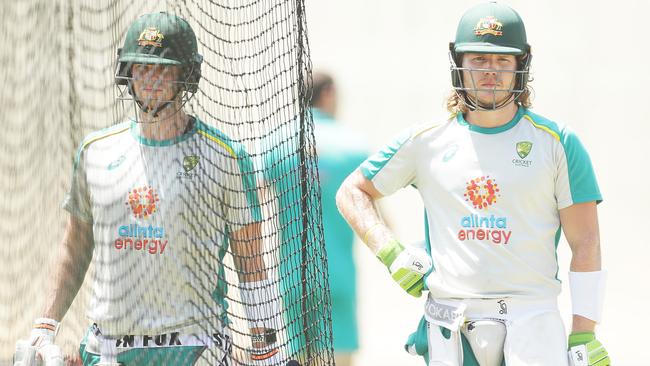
(407, 265)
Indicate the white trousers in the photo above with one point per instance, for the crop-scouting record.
(535, 334)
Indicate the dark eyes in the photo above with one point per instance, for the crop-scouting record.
(150, 69)
(484, 59)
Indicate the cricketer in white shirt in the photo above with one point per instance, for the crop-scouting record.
(161, 212)
(492, 197)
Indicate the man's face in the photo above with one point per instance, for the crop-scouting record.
(328, 101)
(155, 84)
(497, 75)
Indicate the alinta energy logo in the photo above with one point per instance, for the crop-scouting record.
(482, 193)
(142, 202)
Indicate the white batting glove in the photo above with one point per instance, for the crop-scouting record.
(407, 266)
(40, 349)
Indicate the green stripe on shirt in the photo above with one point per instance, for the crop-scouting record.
(582, 179)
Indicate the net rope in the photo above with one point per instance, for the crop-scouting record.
(58, 73)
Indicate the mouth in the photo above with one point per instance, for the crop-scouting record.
(488, 85)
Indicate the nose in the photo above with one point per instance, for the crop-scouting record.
(491, 73)
(491, 66)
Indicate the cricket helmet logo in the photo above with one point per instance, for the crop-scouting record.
(150, 36)
(488, 25)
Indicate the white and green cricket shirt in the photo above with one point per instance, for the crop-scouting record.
(492, 198)
(161, 213)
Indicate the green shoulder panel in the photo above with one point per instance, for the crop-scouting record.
(582, 179)
(237, 151)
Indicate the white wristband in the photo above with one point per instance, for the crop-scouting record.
(261, 301)
(47, 325)
(588, 293)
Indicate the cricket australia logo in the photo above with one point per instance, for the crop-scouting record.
(523, 149)
(488, 25)
(189, 163)
(150, 36)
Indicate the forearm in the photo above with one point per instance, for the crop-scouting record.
(580, 225)
(63, 286)
(255, 289)
(247, 250)
(359, 210)
(251, 269)
(585, 258)
(69, 270)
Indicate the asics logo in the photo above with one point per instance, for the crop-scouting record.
(116, 163)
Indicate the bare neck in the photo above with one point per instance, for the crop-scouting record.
(491, 119)
(328, 108)
(170, 123)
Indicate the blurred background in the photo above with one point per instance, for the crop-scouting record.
(389, 60)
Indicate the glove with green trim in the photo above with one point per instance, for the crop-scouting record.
(586, 350)
(407, 265)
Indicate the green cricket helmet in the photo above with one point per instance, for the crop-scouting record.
(490, 28)
(160, 39)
